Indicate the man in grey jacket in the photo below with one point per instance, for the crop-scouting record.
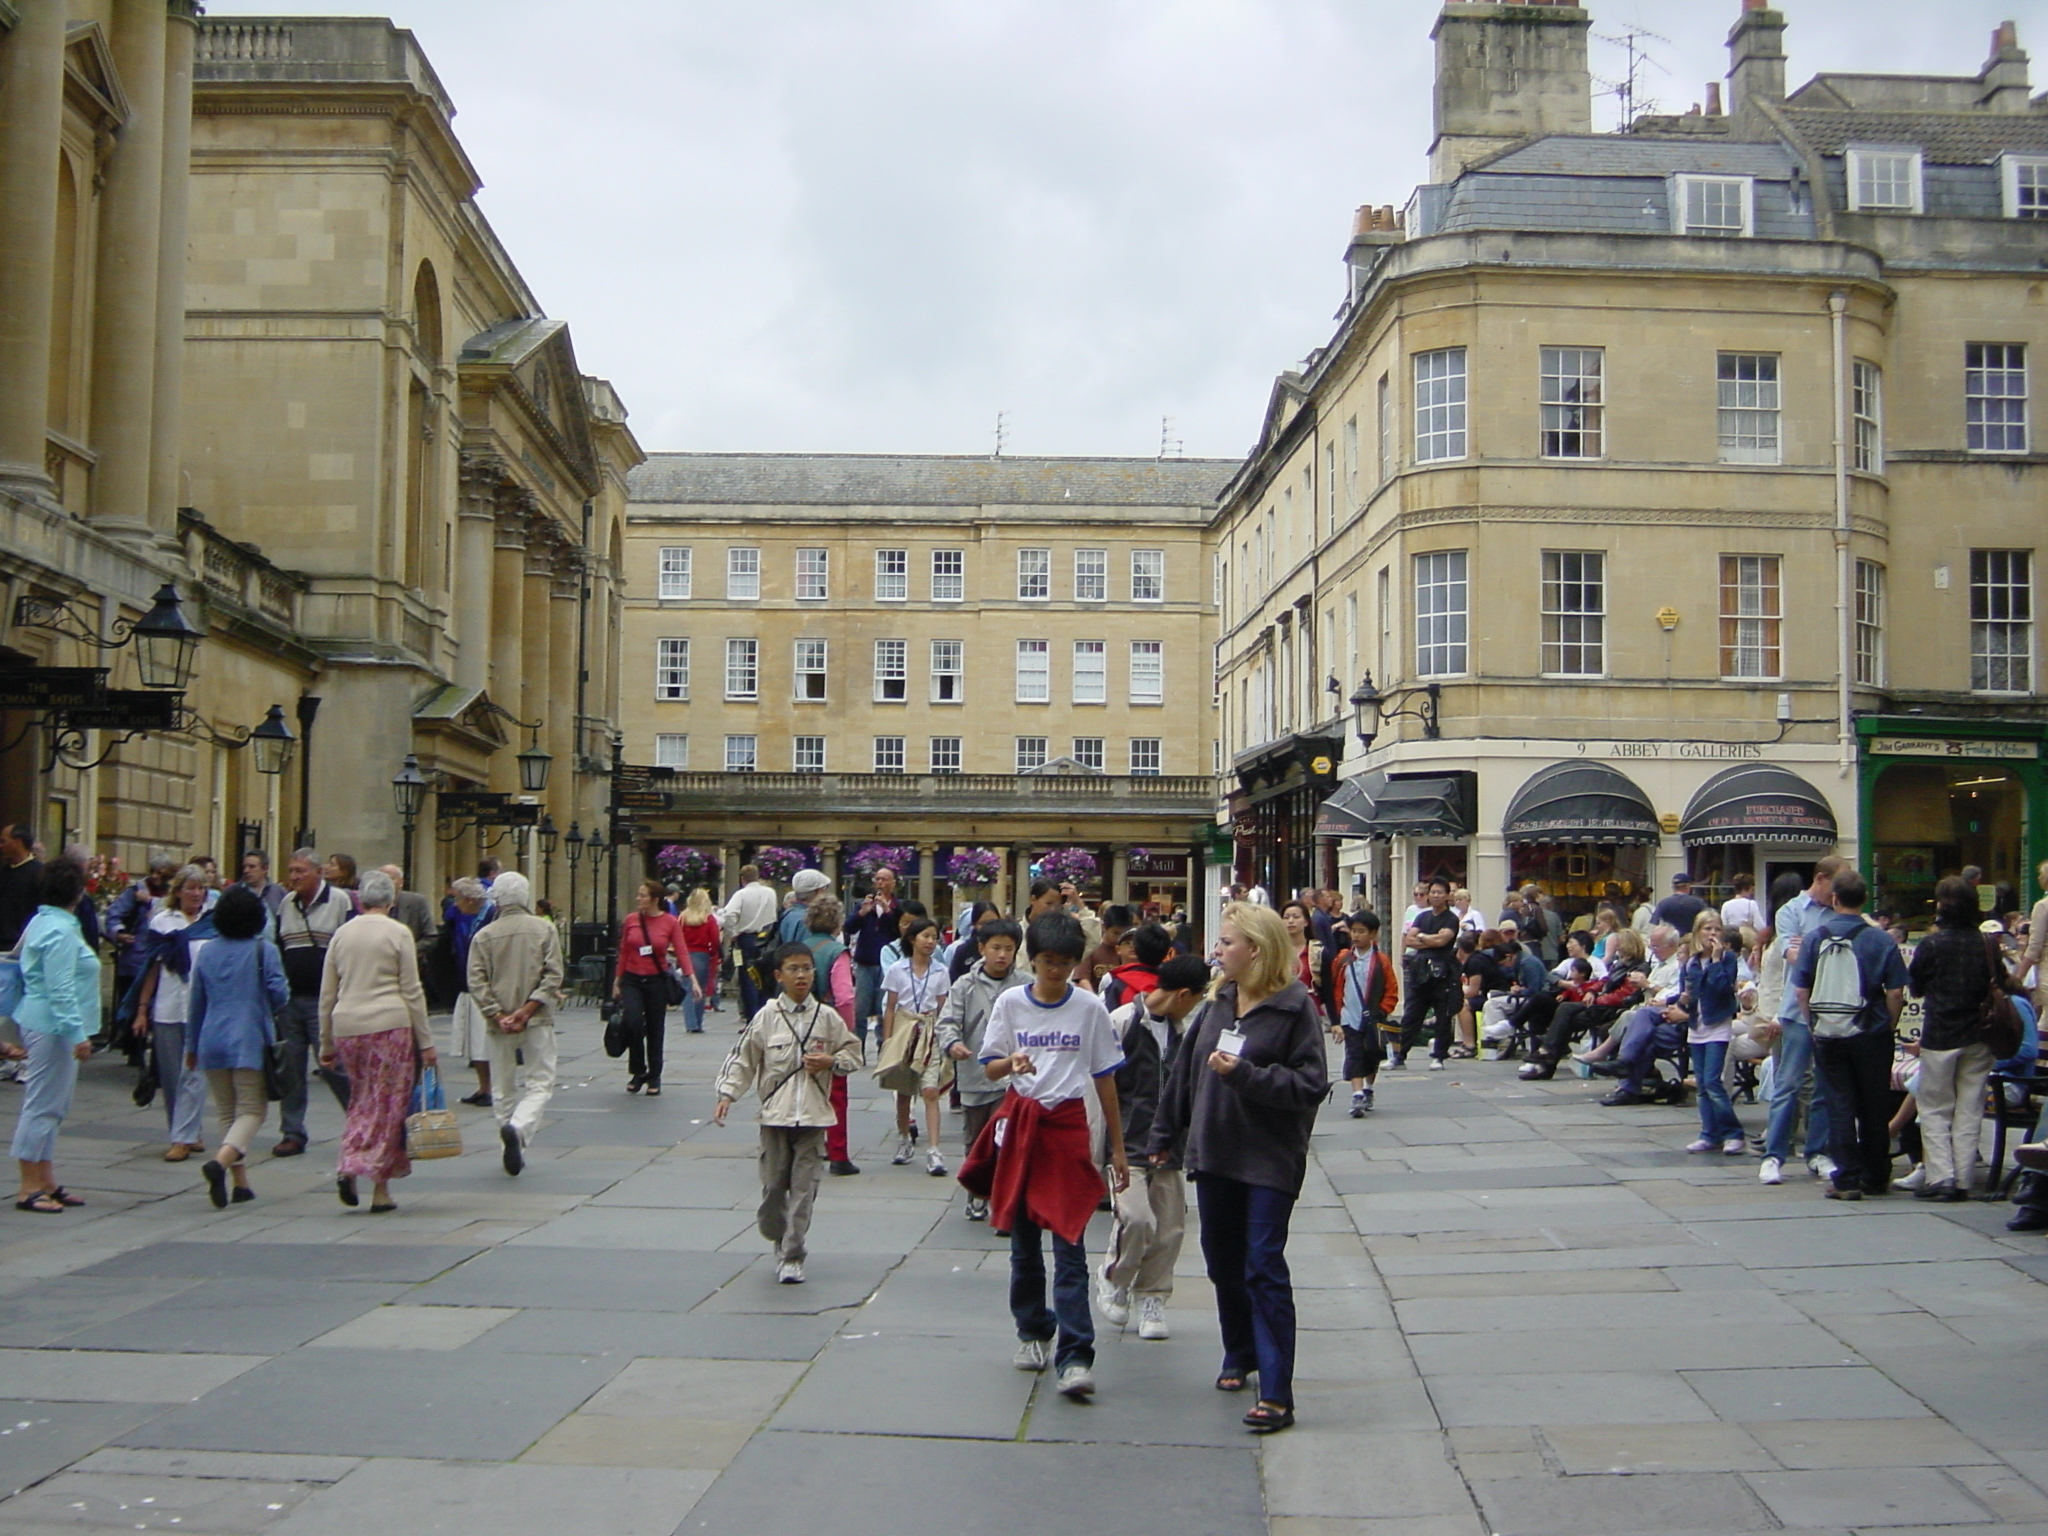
(515, 979)
(962, 1019)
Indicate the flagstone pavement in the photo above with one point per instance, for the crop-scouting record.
(1521, 1314)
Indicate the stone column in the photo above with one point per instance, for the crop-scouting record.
(728, 872)
(31, 118)
(124, 338)
(475, 536)
(1119, 873)
(535, 611)
(828, 863)
(508, 579)
(1019, 872)
(167, 394)
(928, 875)
(559, 709)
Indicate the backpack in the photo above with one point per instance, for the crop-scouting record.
(1836, 1000)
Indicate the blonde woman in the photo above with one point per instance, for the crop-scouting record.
(2033, 956)
(178, 928)
(698, 942)
(1245, 1084)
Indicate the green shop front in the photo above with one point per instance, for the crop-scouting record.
(1938, 795)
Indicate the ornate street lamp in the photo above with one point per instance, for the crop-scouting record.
(598, 850)
(166, 642)
(533, 767)
(575, 849)
(272, 743)
(409, 794)
(549, 836)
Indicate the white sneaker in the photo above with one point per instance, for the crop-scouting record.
(1152, 1318)
(1771, 1171)
(1113, 1304)
(1031, 1355)
(934, 1164)
(1912, 1180)
(1077, 1381)
(789, 1272)
(903, 1150)
(977, 1210)
(1822, 1165)
(1436, 1063)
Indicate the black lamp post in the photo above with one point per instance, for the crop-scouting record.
(598, 849)
(1369, 707)
(549, 836)
(575, 848)
(308, 708)
(533, 768)
(166, 642)
(271, 743)
(409, 794)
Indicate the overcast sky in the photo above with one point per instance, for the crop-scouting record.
(870, 225)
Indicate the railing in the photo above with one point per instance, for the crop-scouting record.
(1178, 793)
(222, 42)
(238, 574)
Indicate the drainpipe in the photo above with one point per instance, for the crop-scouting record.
(1845, 565)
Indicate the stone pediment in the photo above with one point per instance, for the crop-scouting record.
(90, 78)
(533, 359)
(467, 713)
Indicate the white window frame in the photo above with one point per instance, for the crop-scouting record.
(1034, 672)
(813, 575)
(2002, 610)
(1032, 752)
(949, 661)
(743, 573)
(810, 667)
(1860, 157)
(1145, 757)
(1749, 412)
(742, 670)
(1091, 575)
(672, 749)
(1574, 612)
(1869, 619)
(1752, 618)
(1089, 752)
(1148, 575)
(742, 754)
(806, 754)
(954, 589)
(892, 671)
(1443, 613)
(892, 575)
(1034, 575)
(1383, 409)
(672, 669)
(1978, 402)
(1442, 405)
(945, 754)
(1351, 463)
(1091, 672)
(1682, 211)
(672, 573)
(1572, 402)
(1148, 672)
(892, 755)
(2034, 169)
(1866, 417)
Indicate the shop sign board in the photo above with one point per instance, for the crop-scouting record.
(1923, 746)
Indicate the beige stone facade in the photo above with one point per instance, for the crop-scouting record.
(936, 652)
(1703, 446)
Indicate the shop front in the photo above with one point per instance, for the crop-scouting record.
(1755, 819)
(1939, 796)
(1435, 813)
(1581, 832)
(1281, 786)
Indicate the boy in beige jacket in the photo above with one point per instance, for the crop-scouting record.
(789, 1054)
(515, 980)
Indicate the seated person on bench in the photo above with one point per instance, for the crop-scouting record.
(1658, 1027)
(1620, 989)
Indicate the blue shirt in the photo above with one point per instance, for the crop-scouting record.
(237, 984)
(1877, 957)
(60, 978)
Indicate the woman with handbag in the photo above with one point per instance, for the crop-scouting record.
(179, 928)
(913, 991)
(648, 981)
(373, 1023)
(699, 934)
(237, 985)
(1959, 975)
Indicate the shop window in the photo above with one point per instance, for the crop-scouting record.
(1932, 820)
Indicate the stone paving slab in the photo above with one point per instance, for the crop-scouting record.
(1566, 1397)
(1867, 1496)
(282, 1261)
(37, 1439)
(648, 1229)
(661, 1335)
(104, 1376)
(1667, 1503)
(626, 1279)
(425, 1498)
(1816, 1392)
(238, 1317)
(906, 1385)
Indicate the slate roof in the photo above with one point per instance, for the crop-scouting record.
(1642, 155)
(926, 480)
(1945, 138)
(1639, 204)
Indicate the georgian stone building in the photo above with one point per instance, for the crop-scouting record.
(933, 652)
(1679, 490)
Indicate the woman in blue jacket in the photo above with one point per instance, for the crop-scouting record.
(237, 984)
(1708, 983)
(60, 978)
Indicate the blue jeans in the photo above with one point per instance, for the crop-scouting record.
(47, 1080)
(1717, 1110)
(1793, 1082)
(1244, 1243)
(867, 998)
(184, 1091)
(1069, 1308)
(298, 1031)
(701, 961)
(1645, 1034)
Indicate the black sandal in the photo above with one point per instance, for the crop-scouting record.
(63, 1196)
(1269, 1418)
(345, 1186)
(1231, 1381)
(41, 1204)
(380, 1210)
(216, 1182)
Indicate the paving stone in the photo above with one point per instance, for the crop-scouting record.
(743, 1391)
(2008, 1495)
(252, 1465)
(597, 1440)
(1867, 1496)
(1665, 1502)
(1320, 1473)
(1853, 1236)
(1545, 1285)
(102, 1376)
(1473, 1178)
(1827, 1444)
(79, 1303)
(423, 1498)
(961, 1302)
(627, 1279)
(1815, 1392)
(704, 1336)
(351, 1402)
(1189, 1492)
(1425, 1525)
(1591, 1397)
(1152, 1393)
(684, 1231)
(85, 1501)
(908, 1385)
(414, 1328)
(1581, 1449)
(238, 1317)
(832, 1280)
(283, 1261)
(37, 1439)
(1668, 1311)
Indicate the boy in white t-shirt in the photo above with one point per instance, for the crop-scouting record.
(1053, 1043)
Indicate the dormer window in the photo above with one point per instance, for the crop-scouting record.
(1884, 181)
(1714, 205)
(2026, 187)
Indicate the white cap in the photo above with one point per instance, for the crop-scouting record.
(810, 881)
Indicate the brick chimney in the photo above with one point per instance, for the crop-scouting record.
(1756, 56)
(1506, 72)
(2005, 79)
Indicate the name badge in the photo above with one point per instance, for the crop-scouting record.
(1231, 1042)
(646, 949)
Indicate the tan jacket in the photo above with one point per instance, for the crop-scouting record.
(769, 1057)
(516, 958)
(371, 982)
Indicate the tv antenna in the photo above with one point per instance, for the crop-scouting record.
(1628, 91)
(1170, 444)
(1002, 429)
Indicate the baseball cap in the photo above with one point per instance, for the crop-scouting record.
(808, 881)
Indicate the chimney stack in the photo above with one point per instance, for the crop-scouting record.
(1756, 56)
(1713, 98)
(2005, 76)
(1506, 72)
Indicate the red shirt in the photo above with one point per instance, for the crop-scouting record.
(638, 930)
(699, 938)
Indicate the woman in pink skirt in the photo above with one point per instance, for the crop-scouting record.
(373, 1024)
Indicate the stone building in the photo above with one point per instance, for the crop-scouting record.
(1664, 499)
(933, 652)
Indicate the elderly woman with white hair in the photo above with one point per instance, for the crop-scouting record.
(373, 1020)
(468, 909)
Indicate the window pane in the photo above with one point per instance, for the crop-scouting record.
(1574, 614)
(949, 575)
(1030, 752)
(742, 669)
(810, 669)
(1867, 407)
(1034, 672)
(671, 669)
(1148, 575)
(740, 754)
(945, 754)
(1869, 623)
(742, 573)
(1091, 680)
(888, 754)
(1088, 752)
(1440, 405)
(1716, 205)
(671, 750)
(1144, 756)
(1751, 615)
(2002, 620)
(892, 575)
(674, 581)
(1440, 614)
(1884, 180)
(1995, 397)
(892, 671)
(1572, 402)
(1034, 574)
(1748, 386)
(813, 568)
(2030, 189)
(1091, 575)
(1148, 674)
(807, 754)
(948, 665)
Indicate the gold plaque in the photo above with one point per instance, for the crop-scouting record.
(1321, 767)
(1668, 821)
(1668, 617)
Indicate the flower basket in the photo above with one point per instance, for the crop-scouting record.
(971, 867)
(778, 864)
(688, 866)
(1075, 864)
(873, 856)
